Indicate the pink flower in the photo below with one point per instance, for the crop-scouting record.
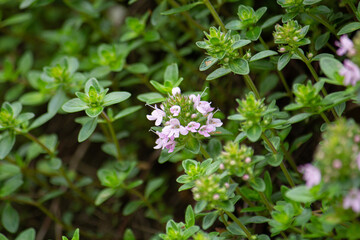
(175, 91)
(204, 107)
(351, 73)
(213, 121)
(175, 110)
(195, 99)
(352, 200)
(345, 46)
(165, 142)
(206, 129)
(312, 175)
(193, 126)
(337, 164)
(157, 116)
(174, 128)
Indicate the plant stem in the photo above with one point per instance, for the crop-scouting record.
(325, 23)
(266, 201)
(37, 141)
(214, 14)
(282, 165)
(204, 152)
(353, 9)
(223, 219)
(113, 135)
(237, 221)
(253, 88)
(325, 118)
(286, 86)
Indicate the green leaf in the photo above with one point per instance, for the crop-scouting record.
(209, 219)
(56, 102)
(181, 9)
(339, 109)
(263, 54)
(258, 184)
(166, 156)
(303, 218)
(74, 105)
(16, 19)
(311, 2)
(151, 36)
(200, 205)
(94, 112)
(41, 120)
(234, 25)
(137, 68)
(28, 234)
(189, 216)
(171, 74)
(254, 133)
(283, 61)
(275, 159)
(6, 144)
(26, 3)
(239, 66)
(76, 235)
(115, 97)
(153, 185)
(32, 98)
(87, 129)
(271, 21)
(234, 229)
(193, 145)
(129, 235)
(300, 194)
(218, 73)
(321, 41)
(131, 207)
(330, 67)
(25, 63)
(348, 28)
(2, 237)
(147, 97)
(127, 111)
(207, 63)
(214, 147)
(299, 117)
(8, 170)
(10, 218)
(104, 195)
(254, 33)
(240, 43)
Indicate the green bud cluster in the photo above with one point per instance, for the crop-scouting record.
(237, 160)
(291, 5)
(291, 35)
(210, 189)
(253, 112)
(201, 236)
(246, 15)
(10, 116)
(63, 73)
(337, 156)
(308, 95)
(111, 56)
(220, 45)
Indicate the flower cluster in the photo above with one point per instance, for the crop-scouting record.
(291, 35)
(350, 71)
(183, 116)
(210, 190)
(10, 116)
(237, 160)
(337, 161)
(308, 95)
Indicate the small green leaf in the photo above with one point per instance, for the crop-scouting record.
(16, 19)
(254, 33)
(330, 67)
(6, 144)
(209, 219)
(207, 63)
(263, 54)
(25, 63)
(104, 195)
(348, 28)
(240, 43)
(218, 73)
(153, 185)
(74, 105)
(181, 9)
(10, 218)
(258, 184)
(321, 41)
(271, 21)
(151, 36)
(129, 235)
(150, 97)
(94, 112)
(311, 2)
(76, 235)
(193, 145)
(254, 133)
(275, 159)
(171, 74)
(189, 217)
(161, 88)
(2, 237)
(131, 207)
(28, 234)
(299, 117)
(300, 194)
(127, 111)
(239, 66)
(115, 97)
(283, 61)
(137, 68)
(87, 129)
